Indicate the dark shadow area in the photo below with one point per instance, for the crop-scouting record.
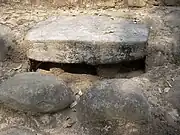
(170, 2)
(164, 2)
(127, 66)
(105, 70)
(79, 68)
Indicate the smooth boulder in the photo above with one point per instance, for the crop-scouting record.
(35, 93)
(112, 103)
(68, 39)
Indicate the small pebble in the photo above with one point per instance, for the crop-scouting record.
(73, 104)
(166, 90)
(160, 91)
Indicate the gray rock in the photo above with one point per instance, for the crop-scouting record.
(75, 40)
(172, 2)
(136, 3)
(171, 19)
(173, 95)
(35, 92)
(5, 41)
(3, 50)
(111, 105)
(17, 131)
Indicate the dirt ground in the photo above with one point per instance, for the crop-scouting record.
(21, 18)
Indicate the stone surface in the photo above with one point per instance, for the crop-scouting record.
(75, 40)
(34, 92)
(17, 131)
(171, 2)
(136, 3)
(173, 22)
(172, 19)
(121, 70)
(5, 41)
(155, 59)
(173, 95)
(110, 103)
(117, 72)
(3, 50)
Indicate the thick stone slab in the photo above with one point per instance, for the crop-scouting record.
(89, 39)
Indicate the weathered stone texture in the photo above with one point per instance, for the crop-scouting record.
(173, 95)
(5, 41)
(136, 3)
(17, 131)
(89, 39)
(35, 93)
(113, 104)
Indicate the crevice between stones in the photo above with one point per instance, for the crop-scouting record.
(125, 69)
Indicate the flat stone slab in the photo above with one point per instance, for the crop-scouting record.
(89, 39)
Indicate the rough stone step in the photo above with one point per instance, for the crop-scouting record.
(89, 39)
